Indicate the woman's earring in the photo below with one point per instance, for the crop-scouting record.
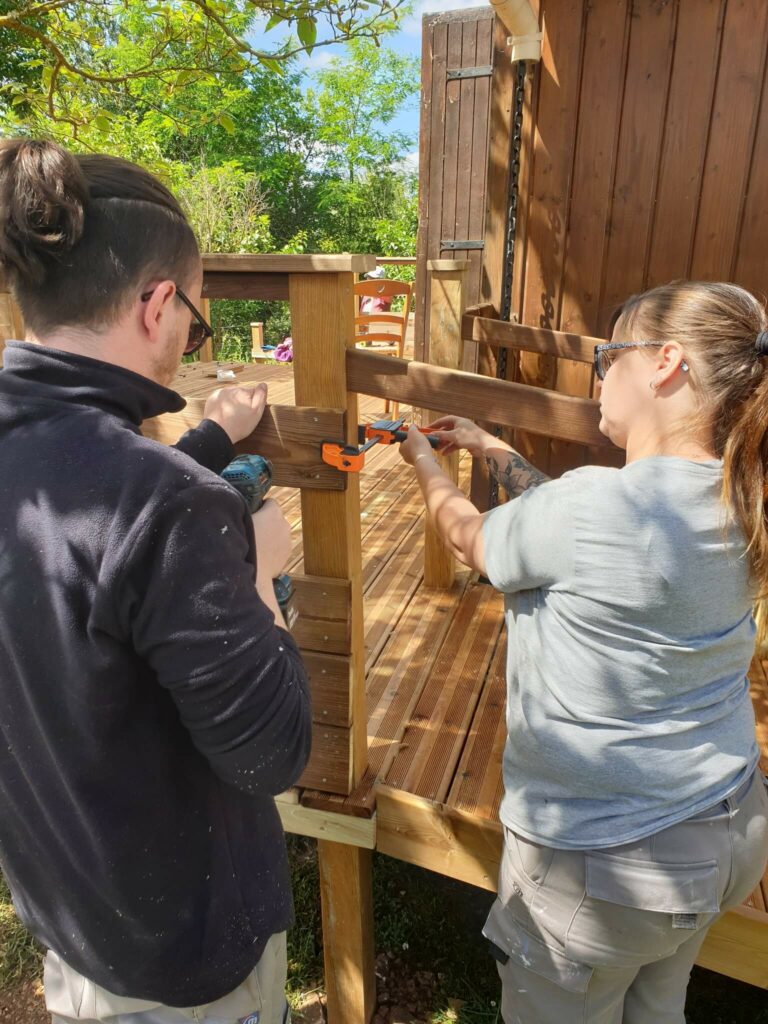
(652, 385)
(684, 366)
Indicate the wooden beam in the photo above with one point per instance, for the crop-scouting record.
(439, 838)
(288, 436)
(329, 682)
(322, 322)
(280, 263)
(447, 299)
(322, 314)
(240, 285)
(500, 334)
(347, 901)
(206, 352)
(328, 825)
(737, 945)
(328, 767)
(468, 394)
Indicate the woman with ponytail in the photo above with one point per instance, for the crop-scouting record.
(153, 703)
(634, 812)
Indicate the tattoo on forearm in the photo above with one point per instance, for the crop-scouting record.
(514, 473)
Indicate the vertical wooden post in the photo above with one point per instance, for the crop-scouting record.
(322, 326)
(347, 902)
(206, 352)
(447, 300)
(257, 340)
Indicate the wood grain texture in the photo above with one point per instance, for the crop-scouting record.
(466, 394)
(234, 284)
(529, 339)
(290, 437)
(447, 301)
(328, 767)
(347, 905)
(280, 263)
(737, 945)
(731, 139)
(322, 314)
(430, 835)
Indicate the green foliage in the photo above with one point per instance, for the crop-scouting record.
(64, 58)
(20, 955)
(263, 162)
(357, 100)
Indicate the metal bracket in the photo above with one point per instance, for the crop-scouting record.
(450, 244)
(483, 71)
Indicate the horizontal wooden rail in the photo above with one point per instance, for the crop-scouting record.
(282, 263)
(501, 334)
(486, 309)
(481, 398)
(245, 285)
(289, 436)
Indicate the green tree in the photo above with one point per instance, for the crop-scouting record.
(62, 57)
(358, 98)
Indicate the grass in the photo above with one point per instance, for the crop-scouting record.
(429, 926)
(20, 955)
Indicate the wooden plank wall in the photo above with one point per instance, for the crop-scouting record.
(453, 149)
(645, 160)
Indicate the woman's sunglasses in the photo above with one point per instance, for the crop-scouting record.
(199, 329)
(604, 354)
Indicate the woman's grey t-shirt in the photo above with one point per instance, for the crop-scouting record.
(628, 607)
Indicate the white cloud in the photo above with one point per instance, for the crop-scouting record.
(409, 163)
(319, 59)
(412, 25)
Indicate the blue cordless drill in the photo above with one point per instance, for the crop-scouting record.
(251, 476)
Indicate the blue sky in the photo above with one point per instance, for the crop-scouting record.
(407, 40)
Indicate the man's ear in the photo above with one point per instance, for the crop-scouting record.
(157, 306)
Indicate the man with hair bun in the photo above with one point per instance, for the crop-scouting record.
(152, 702)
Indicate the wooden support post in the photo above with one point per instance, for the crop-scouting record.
(447, 300)
(322, 322)
(347, 901)
(257, 342)
(206, 352)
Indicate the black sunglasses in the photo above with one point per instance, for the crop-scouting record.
(603, 358)
(199, 329)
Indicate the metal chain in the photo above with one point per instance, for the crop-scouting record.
(516, 142)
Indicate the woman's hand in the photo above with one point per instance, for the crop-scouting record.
(237, 410)
(415, 446)
(456, 432)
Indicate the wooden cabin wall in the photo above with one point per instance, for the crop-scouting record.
(646, 161)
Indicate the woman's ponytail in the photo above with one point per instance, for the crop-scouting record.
(43, 193)
(745, 478)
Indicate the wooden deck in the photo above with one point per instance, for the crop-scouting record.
(435, 700)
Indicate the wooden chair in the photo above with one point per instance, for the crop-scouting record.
(369, 327)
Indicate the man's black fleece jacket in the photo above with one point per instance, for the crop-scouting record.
(150, 709)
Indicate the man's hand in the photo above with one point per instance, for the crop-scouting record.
(273, 540)
(237, 410)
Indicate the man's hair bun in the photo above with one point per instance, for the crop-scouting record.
(43, 194)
